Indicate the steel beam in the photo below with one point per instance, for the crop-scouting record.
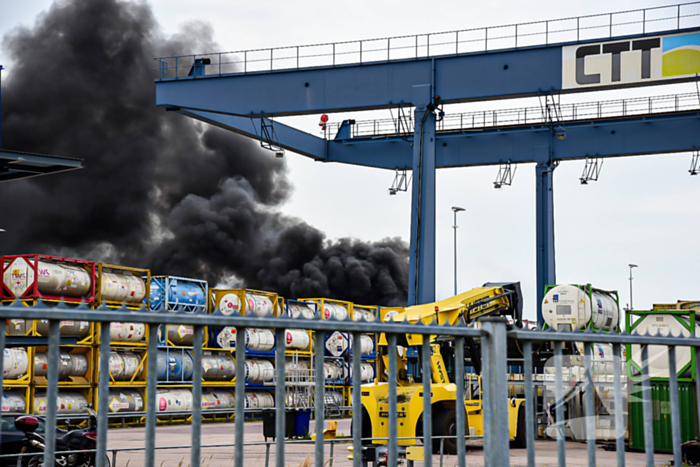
(421, 281)
(464, 77)
(544, 200)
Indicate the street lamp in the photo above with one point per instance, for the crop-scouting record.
(456, 209)
(631, 266)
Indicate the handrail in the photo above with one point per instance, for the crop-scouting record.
(418, 46)
(482, 119)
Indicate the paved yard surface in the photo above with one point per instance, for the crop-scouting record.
(295, 454)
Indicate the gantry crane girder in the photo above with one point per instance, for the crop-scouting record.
(244, 101)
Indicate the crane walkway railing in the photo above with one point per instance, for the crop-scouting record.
(413, 47)
(493, 335)
(554, 114)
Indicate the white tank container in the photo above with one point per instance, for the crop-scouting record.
(79, 329)
(218, 398)
(226, 338)
(15, 363)
(570, 307)
(218, 367)
(18, 327)
(67, 402)
(174, 400)
(366, 371)
(334, 397)
(127, 332)
(300, 368)
(259, 339)
(366, 344)
(259, 371)
(69, 365)
(337, 344)
(126, 400)
(663, 325)
(178, 334)
(333, 370)
(334, 311)
(124, 366)
(13, 401)
(301, 310)
(259, 305)
(64, 280)
(229, 304)
(298, 339)
(362, 314)
(259, 400)
(123, 287)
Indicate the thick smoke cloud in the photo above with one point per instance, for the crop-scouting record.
(159, 190)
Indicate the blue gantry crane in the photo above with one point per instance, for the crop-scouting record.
(417, 76)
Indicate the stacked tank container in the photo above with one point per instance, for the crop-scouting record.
(17, 377)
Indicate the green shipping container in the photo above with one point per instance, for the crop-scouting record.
(661, 415)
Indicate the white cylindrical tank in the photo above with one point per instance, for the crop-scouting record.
(218, 398)
(65, 280)
(259, 371)
(127, 332)
(79, 329)
(259, 305)
(174, 400)
(67, 402)
(229, 304)
(334, 311)
(362, 314)
(366, 371)
(124, 366)
(13, 401)
(298, 339)
(337, 344)
(178, 334)
(126, 400)
(366, 344)
(570, 307)
(15, 363)
(218, 367)
(226, 338)
(301, 310)
(663, 325)
(259, 400)
(299, 369)
(18, 327)
(333, 370)
(259, 339)
(76, 364)
(125, 288)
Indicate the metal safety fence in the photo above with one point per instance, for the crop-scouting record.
(493, 334)
(418, 46)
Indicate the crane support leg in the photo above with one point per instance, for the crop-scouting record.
(421, 285)
(546, 265)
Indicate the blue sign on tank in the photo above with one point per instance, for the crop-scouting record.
(178, 294)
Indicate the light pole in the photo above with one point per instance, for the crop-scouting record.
(631, 266)
(456, 209)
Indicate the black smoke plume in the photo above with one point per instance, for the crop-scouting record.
(159, 190)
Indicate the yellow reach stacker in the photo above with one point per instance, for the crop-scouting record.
(493, 299)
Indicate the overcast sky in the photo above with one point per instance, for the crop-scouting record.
(643, 210)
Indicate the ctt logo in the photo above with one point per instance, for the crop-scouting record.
(631, 61)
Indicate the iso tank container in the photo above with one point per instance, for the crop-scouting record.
(127, 366)
(674, 323)
(332, 309)
(174, 365)
(126, 334)
(55, 278)
(75, 366)
(16, 365)
(70, 401)
(178, 294)
(82, 331)
(572, 307)
(300, 310)
(122, 286)
(15, 399)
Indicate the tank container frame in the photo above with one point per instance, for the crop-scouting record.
(165, 282)
(32, 291)
(680, 316)
(28, 378)
(224, 384)
(73, 381)
(25, 389)
(135, 381)
(588, 289)
(105, 268)
(86, 390)
(143, 343)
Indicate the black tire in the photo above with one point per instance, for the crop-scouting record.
(31, 461)
(366, 432)
(520, 440)
(445, 424)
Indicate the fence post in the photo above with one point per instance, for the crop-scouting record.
(495, 390)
